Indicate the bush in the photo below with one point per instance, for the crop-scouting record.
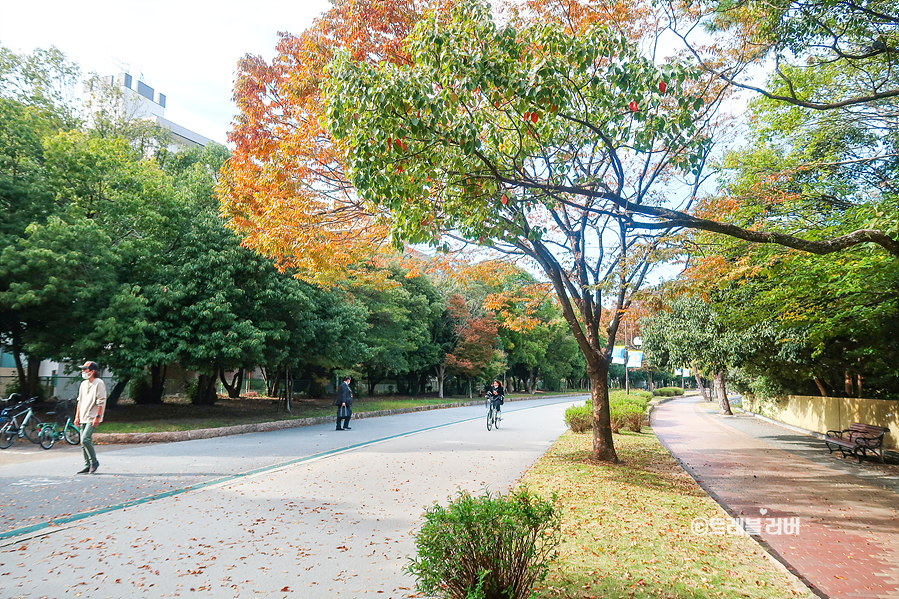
(580, 418)
(668, 391)
(626, 415)
(639, 401)
(486, 547)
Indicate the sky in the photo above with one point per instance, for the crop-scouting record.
(187, 50)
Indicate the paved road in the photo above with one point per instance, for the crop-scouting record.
(306, 512)
(846, 544)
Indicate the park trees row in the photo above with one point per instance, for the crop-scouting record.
(819, 157)
(113, 249)
(558, 134)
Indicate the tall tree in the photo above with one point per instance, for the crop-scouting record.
(285, 189)
(691, 334)
(476, 344)
(519, 140)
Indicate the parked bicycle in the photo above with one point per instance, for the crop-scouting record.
(6, 413)
(62, 427)
(19, 421)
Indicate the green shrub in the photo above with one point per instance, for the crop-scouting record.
(668, 391)
(635, 400)
(580, 418)
(486, 547)
(626, 415)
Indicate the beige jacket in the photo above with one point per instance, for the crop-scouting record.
(91, 398)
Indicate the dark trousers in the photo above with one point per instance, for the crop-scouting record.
(346, 419)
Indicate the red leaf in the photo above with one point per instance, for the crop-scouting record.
(663, 86)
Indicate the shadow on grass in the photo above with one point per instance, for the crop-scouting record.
(646, 465)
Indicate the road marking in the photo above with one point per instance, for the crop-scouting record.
(36, 482)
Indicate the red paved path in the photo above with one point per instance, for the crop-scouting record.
(848, 540)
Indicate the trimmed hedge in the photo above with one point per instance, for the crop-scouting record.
(626, 411)
(580, 418)
(668, 391)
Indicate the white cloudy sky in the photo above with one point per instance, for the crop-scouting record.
(187, 49)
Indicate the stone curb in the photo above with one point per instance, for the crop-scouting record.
(262, 427)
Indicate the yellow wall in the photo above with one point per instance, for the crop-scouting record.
(822, 414)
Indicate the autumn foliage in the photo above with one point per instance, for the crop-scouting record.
(284, 189)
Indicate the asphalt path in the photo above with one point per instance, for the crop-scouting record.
(304, 512)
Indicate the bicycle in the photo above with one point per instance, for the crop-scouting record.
(50, 432)
(493, 412)
(13, 428)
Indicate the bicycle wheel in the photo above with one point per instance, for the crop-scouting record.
(496, 418)
(48, 436)
(30, 430)
(489, 418)
(72, 434)
(7, 436)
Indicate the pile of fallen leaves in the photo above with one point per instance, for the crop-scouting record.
(627, 529)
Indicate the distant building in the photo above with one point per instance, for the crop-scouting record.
(143, 102)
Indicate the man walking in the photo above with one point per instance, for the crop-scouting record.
(89, 413)
(344, 403)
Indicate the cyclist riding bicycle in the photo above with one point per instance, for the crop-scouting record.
(496, 394)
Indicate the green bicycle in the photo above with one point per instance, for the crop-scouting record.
(51, 432)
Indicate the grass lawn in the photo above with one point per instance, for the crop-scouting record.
(178, 414)
(627, 529)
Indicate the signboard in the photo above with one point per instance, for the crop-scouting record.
(634, 359)
(618, 354)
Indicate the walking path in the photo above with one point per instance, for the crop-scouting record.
(304, 512)
(832, 522)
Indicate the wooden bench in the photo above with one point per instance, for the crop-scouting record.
(857, 440)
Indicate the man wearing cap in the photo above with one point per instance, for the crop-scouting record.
(89, 414)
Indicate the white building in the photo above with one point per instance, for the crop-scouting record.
(143, 102)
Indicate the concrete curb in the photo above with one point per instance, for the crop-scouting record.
(262, 427)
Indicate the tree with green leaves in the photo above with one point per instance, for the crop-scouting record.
(535, 142)
(401, 316)
(690, 334)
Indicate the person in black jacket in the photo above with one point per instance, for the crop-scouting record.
(496, 394)
(344, 404)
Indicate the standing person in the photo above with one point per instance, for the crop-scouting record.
(89, 413)
(344, 403)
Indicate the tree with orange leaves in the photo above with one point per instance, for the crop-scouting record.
(285, 189)
(476, 345)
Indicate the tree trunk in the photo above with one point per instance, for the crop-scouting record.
(469, 388)
(702, 390)
(821, 388)
(721, 392)
(441, 376)
(205, 390)
(157, 382)
(603, 445)
(236, 383)
(113, 400)
(20, 371)
(33, 380)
